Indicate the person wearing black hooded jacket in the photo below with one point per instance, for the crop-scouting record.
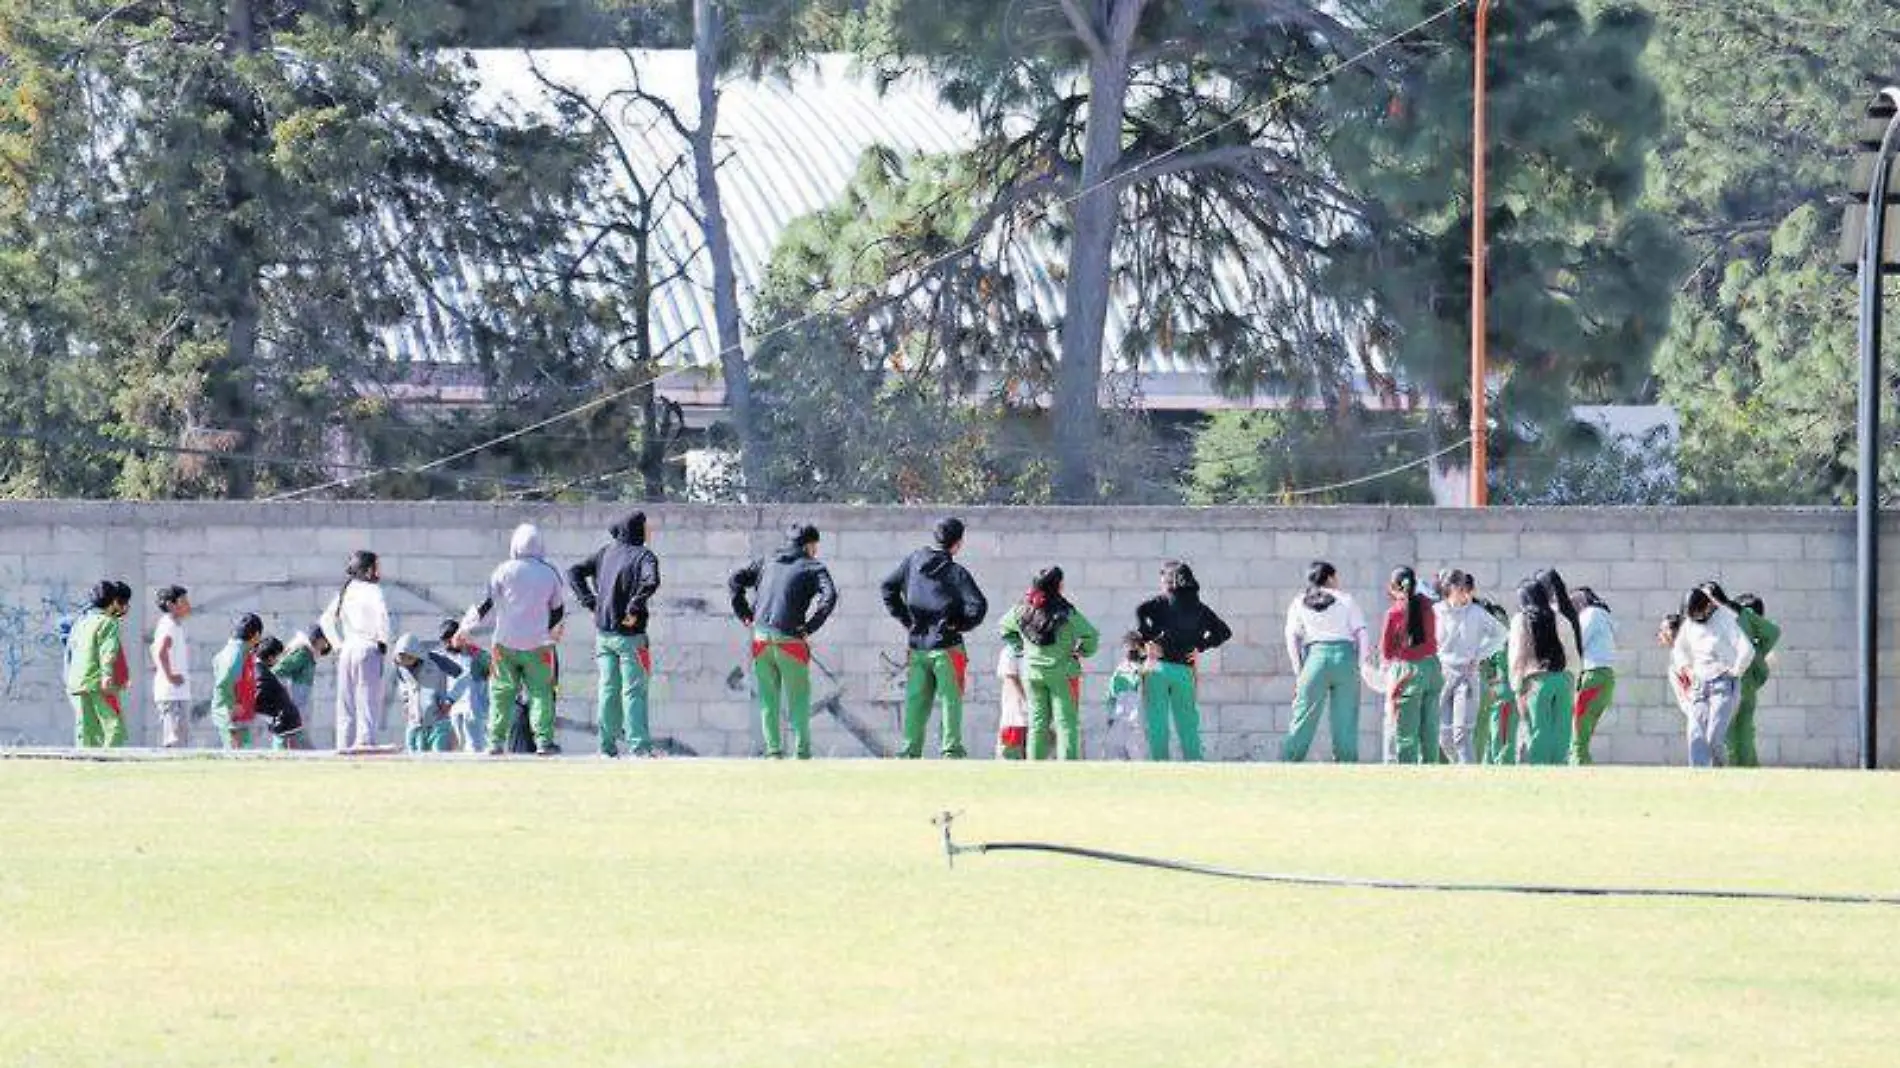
(1178, 629)
(616, 584)
(795, 597)
(937, 601)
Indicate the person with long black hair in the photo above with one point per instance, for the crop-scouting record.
(1325, 641)
(1717, 655)
(1054, 639)
(1409, 647)
(1499, 714)
(1557, 595)
(1178, 629)
(1751, 615)
(357, 621)
(1540, 675)
(1596, 687)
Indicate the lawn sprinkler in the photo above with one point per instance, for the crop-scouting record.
(951, 849)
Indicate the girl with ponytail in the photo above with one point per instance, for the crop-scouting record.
(1539, 675)
(1053, 639)
(1409, 647)
(1325, 641)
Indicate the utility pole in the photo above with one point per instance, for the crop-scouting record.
(1871, 244)
(1480, 493)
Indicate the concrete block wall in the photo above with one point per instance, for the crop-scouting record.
(285, 561)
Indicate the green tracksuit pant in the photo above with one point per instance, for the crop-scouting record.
(936, 677)
(437, 737)
(1056, 702)
(1546, 708)
(781, 664)
(1595, 690)
(1329, 682)
(516, 670)
(95, 724)
(626, 666)
(231, 734)
(1742, 752)
(1500, 719)
(1168, 699)
(1411, 709)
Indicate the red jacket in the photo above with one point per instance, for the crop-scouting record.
(1392, 644)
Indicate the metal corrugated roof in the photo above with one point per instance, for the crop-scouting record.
(792, 145)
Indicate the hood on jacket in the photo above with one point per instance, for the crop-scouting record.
(631, 530)
(935, 563)
(409, 645)
(527, 544)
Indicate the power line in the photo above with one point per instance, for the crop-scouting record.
(929, 265)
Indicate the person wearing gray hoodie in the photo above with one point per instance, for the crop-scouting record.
(524, 596)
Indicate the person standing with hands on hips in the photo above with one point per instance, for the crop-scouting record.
(1178, 629)
(1054, 639)
(171, 668)
(937, 602)
(795, 597)
(616, 584)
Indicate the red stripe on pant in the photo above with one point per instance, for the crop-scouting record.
(796, 648)
(1583, 702)
(646, 659)
(1075, 689)
(960, 664)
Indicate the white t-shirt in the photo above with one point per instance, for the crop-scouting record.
(162, 688)
(357, 616)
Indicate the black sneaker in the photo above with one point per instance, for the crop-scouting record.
(549, 749)
(494, 750)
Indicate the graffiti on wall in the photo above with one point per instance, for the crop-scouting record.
(30, 613)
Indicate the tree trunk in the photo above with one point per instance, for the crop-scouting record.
(234, 392)
(652, 449)
(732, 358)
(1094, 218)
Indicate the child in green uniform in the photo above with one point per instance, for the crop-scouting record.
(93, 648)
(1540, 676)
(1124, 739)
(234, 678)
(423, 677)
(1764, 636)
(1497, 721)
(1054, 639)
(296, 668)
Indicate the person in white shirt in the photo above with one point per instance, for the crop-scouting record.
(1715, 654)
(1467, 636)
(1596, 686)
(357, 622)
(171, 668)
(1325, 640)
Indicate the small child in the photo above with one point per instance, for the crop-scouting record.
(297, 667)
(1126, 736)
(275, 705)
(468, 694)
(423, 677)
(1012, 726)
(94, 660)
(171, 668)
(1681, 680)
(234, 680)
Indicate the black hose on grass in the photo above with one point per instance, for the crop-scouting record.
(952, 850)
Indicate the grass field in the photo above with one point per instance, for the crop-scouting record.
(714, 913)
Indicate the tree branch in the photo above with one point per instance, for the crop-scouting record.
(1085, 29)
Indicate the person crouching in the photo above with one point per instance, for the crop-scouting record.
(422, 678)
(276, 707)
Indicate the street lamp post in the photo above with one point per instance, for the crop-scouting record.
(1875, 264)
(1480, 493)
